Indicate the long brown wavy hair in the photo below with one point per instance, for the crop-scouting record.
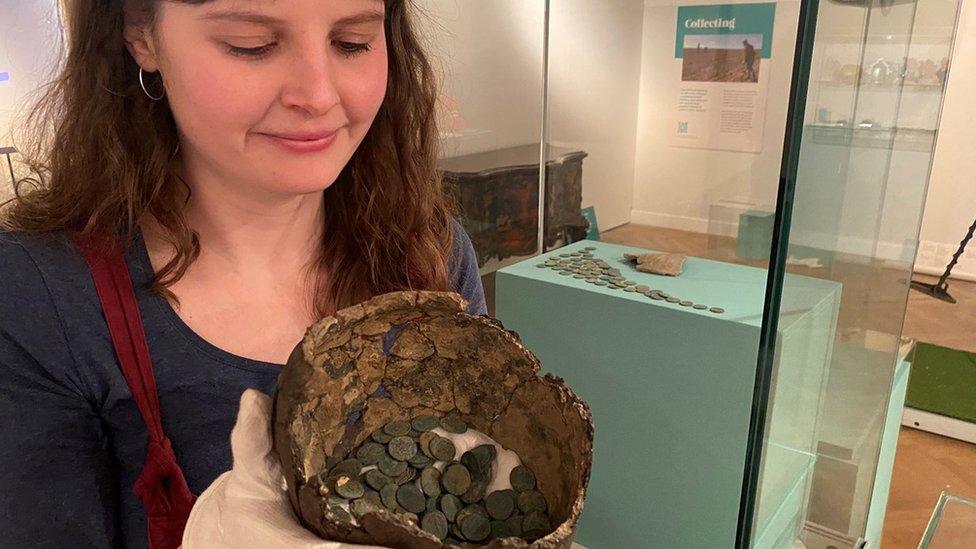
(102, 158)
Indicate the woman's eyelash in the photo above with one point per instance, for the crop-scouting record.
(350, 49)
(347, 49)
(252, 52)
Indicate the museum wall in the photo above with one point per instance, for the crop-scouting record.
(676, 187)
(29, 42)
(594, 93)
(488, 58)
(29, 39)
(951, 204)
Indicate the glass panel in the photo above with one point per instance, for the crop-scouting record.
(680, 131)
(871, 114)
(953, 524)
(489, 60)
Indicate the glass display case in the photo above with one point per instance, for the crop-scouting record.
(779, 152)
(864, 152)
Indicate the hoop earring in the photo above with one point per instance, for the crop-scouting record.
(143, 84)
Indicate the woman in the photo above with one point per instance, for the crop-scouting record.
(262, 164)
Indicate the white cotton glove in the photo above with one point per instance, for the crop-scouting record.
(248, 506)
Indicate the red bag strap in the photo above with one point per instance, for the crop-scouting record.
(161, 485)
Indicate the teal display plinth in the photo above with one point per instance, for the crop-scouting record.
(755, 234)
(671, 390)
(889, 443)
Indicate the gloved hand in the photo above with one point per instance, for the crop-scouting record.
(248, 505)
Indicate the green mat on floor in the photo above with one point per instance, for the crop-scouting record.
(943, 382)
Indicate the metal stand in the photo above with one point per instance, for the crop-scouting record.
(940, 290)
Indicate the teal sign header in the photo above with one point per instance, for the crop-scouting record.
(724, 26)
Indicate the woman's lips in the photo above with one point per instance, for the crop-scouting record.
(302, 143)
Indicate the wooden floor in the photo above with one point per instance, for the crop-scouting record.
(925, 465)
(941, 323)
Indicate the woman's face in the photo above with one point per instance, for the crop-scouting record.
(275, 95)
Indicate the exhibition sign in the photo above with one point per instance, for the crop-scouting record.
(722, 58)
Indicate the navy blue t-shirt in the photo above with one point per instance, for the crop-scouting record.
(73, 441)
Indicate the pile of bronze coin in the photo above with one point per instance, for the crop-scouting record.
(584, 266)
(408, 469)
